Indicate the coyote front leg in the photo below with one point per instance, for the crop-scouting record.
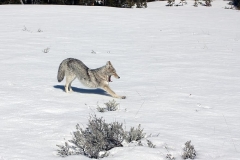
(112, 93)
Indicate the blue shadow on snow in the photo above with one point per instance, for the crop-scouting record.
(84, 91)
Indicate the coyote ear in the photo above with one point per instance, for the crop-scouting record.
(108, 63)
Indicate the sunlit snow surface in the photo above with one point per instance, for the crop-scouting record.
(179, 68)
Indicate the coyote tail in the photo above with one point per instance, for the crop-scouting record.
(61, 72)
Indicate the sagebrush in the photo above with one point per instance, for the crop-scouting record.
(110, 106)
(134, 134)
(98, 136)
(189, 151)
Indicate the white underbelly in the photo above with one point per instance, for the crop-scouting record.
(88, 83)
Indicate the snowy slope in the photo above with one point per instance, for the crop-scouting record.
(179, 68)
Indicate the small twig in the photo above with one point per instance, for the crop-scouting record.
(230, 132)
(46, 50)
(141, 104)
(166, 148)
(39, 30)
(139, 108)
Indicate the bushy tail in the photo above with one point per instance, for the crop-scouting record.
(61, 72)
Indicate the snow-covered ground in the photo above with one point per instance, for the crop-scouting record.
(179, 68)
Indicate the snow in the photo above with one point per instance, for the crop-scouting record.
(179, 68)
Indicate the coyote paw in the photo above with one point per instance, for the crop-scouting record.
(120, 97)
(123, 97)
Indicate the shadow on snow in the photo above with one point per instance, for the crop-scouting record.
(84, 91)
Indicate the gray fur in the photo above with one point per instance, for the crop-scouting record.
(93, 78)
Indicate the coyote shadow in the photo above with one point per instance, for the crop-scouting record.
(85, 91)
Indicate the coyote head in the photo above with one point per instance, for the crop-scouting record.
(111, 72)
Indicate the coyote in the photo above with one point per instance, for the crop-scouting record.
(93, 78)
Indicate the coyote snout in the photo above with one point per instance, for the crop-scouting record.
(116, 76)
(93, 78)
